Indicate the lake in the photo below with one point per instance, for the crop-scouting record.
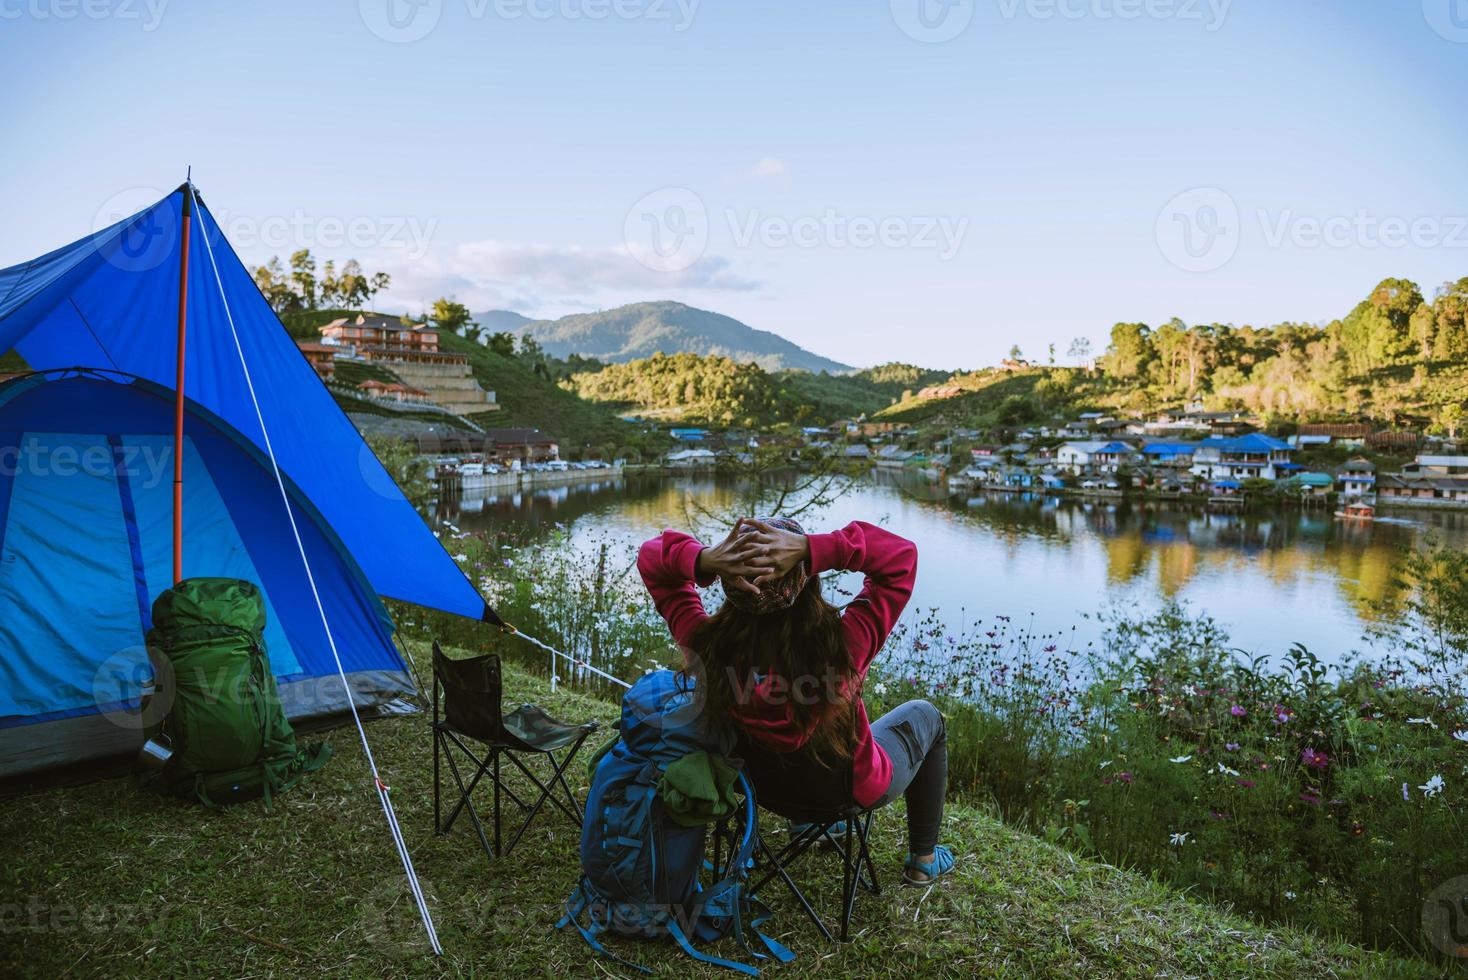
(1271, 576)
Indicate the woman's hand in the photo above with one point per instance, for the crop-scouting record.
(777, 551)
(731, 559)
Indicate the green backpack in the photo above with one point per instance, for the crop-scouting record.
(231, 740)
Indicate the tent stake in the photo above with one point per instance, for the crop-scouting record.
(178, 390)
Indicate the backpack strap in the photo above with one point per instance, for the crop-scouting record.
(578, 902)
(676, 931)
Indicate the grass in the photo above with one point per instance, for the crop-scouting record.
(103, 879)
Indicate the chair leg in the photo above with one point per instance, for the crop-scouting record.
(466, 803)
(848, 882)
(437, 811)
(779, 870)
(495, 754)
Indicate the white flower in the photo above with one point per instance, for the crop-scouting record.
(1461, 736)
(1290, 896)
(1226, 770)
(1422, 721)
(1105, 764)
(1432, 787)
(461, 558)
(881, 689)
(1181, 758)
(1178, 840)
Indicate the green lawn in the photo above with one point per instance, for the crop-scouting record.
(103, 879)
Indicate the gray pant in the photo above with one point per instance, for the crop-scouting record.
(915, 739)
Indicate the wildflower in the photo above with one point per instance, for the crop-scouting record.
(1231, 746)
(1105, 763)
(1238, 711)
(881, 689)
(1218, 814)
(1178, 840)
(1282, 715)
(1432, 787)
(461, 558)
(1406, 795)
(1290, 896)
(1310, 798)
(1422, 721)
(1181, 758)
(1318, 760)
(1226, 770)
(1245, 783)
(1125, 777)
(1461, 736)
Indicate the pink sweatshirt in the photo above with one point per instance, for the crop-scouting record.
(889, 562)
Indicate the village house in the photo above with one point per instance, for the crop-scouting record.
(1100, 457)
(1357, 478)
(321, 356)
(1352, 434)
(412, 351)
(1247, 457)
(688, 459)
(893, 456)
(392, 391)
(522, 445)
(1429, 480)
(373, 331)
(1174, 455)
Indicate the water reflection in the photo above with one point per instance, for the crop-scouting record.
(1271, 576)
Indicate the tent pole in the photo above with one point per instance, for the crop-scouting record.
(178, 389)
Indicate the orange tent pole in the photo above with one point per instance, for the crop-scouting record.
(178, 401)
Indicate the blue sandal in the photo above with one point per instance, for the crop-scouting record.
(941, 865)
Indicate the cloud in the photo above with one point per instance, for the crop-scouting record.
(509, 275)
(771, 167)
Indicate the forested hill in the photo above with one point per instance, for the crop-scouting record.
(640, 330)
(1398, 357)
(722, 391)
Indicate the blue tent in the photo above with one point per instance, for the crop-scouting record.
(86, 484)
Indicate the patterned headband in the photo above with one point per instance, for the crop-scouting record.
(774, 596)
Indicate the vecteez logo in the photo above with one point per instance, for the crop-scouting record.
(400, 21)
(1198, 230)
(667, 230)
(1447, 18)
(932, 21)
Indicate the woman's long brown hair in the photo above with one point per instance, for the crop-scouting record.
(803, 646)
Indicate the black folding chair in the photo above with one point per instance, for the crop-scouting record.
(804, 792)
(473, 692)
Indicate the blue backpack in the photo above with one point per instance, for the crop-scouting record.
(639, 868)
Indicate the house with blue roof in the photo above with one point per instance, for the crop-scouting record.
(1254, 456)
(1177, 454)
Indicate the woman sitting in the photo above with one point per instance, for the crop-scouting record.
(785, 666)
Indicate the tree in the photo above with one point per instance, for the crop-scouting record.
(303, 278)
(450, 316)
(352, 287)
(502, 343)
(1080, 352)
(1015, 353)
(1449, 418)
(1131, 350)
(1051, 351)
(276, 286)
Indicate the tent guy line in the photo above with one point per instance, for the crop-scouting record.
(381, 787)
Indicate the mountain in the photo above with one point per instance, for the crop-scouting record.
(640, 330)
(495, 321)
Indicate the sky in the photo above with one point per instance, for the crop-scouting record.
(930, 181)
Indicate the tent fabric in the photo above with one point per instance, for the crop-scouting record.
(86, 467)
(111, 301)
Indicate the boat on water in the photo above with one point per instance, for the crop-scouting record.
(1356, 512)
